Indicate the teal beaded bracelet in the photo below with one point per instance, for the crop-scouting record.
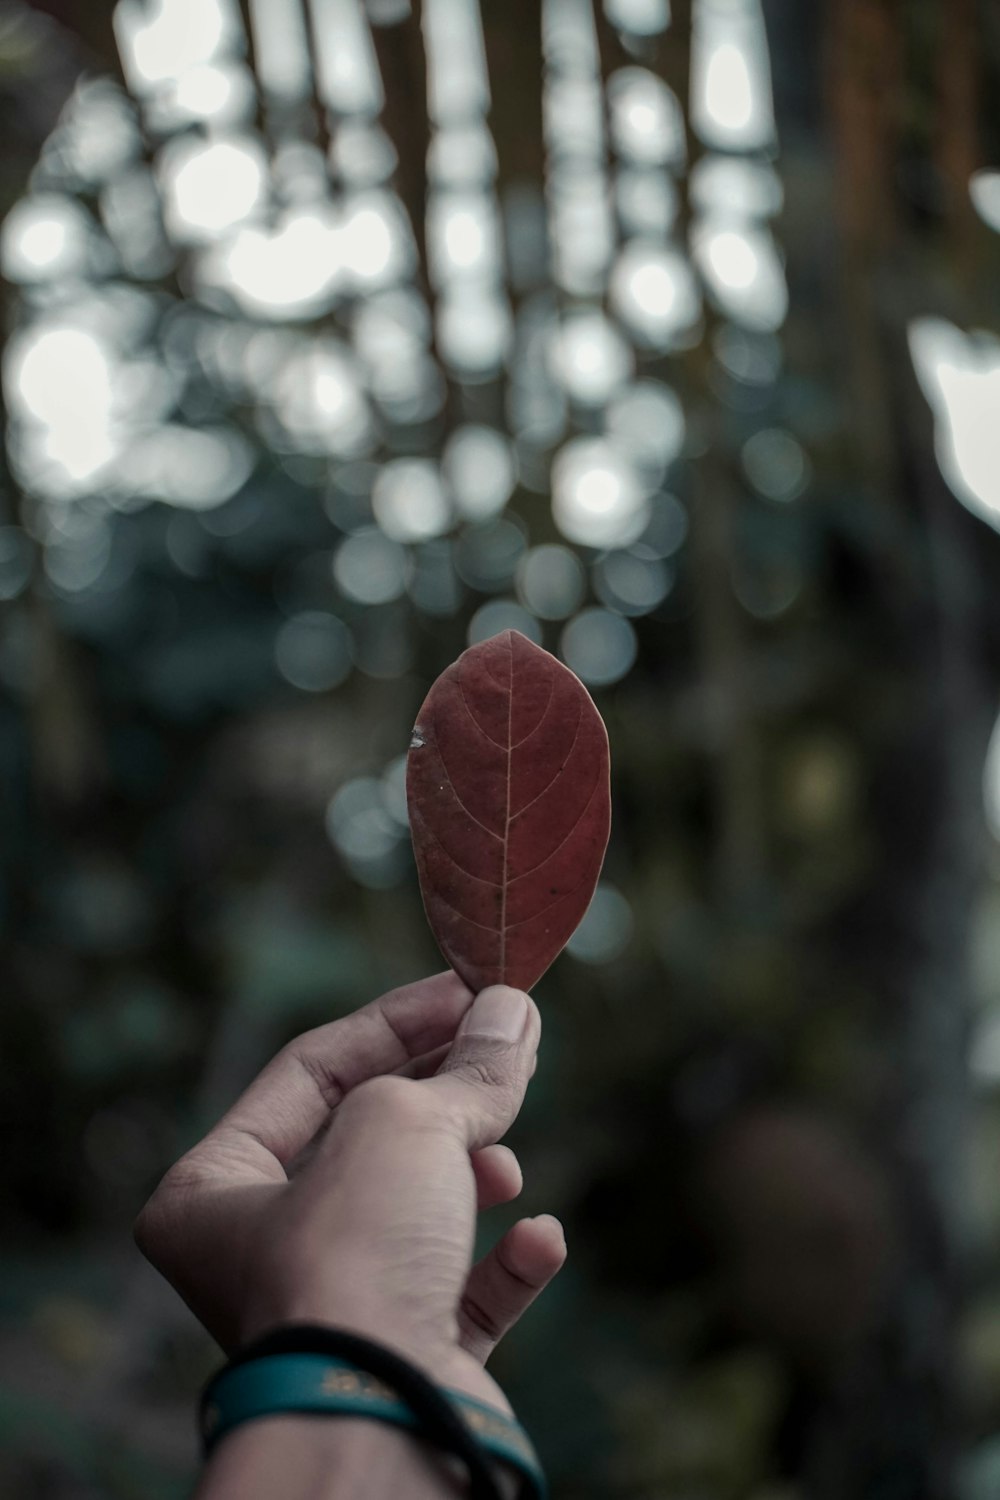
(322, 1384)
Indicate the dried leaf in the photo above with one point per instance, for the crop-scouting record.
(508, 786)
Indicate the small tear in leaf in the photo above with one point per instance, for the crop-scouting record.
(417, 740)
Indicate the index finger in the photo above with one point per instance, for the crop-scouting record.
(295, 1094)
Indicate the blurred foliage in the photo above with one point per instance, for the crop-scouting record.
(755, 1110)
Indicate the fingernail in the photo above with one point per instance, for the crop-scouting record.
(556, 1223)
(499, 1012)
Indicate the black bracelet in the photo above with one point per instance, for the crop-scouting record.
(453, 1422)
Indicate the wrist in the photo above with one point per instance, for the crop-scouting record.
(317, 1458)
(443, 1360)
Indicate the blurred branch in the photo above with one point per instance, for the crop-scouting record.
(401, 62)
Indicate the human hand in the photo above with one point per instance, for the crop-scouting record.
(340, 1190)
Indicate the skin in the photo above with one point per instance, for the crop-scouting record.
(343, 1188)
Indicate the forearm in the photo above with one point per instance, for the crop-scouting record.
(325, 1458)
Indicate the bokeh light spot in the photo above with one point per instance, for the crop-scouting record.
(487, 556)
(599, 646)
(743, 272)
(314, 651)
(291, 271)
(479, 468)
(731, 107)
(44, 236)
(752, 358)
(984, 188)
(775, 464)
(732, 187)
(642, 18)
(596, 497)
(960, 377)
(647, 422)
(632, 582)
(370, 568)
(551, 582)
(590, 358)
(500, 615)
(163, 40)
(208, 188)
(364, 832)
(647, 122)
(474, 330)
(605, 929)
(655, 294)
(409, 501)
(394, 791)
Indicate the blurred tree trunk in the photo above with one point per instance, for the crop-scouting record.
(900, 90)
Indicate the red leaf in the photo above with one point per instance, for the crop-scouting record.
(508, 786)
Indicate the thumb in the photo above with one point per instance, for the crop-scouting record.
(483, 1079)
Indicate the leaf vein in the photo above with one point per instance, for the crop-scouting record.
(468, 812)
(542, 718)
(482, 879)
(468, 710)
(499, 682)
(564, 897)
(471, 920)
(576, 735)
(580, 816)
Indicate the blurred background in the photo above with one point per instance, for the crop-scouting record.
(340, 334)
